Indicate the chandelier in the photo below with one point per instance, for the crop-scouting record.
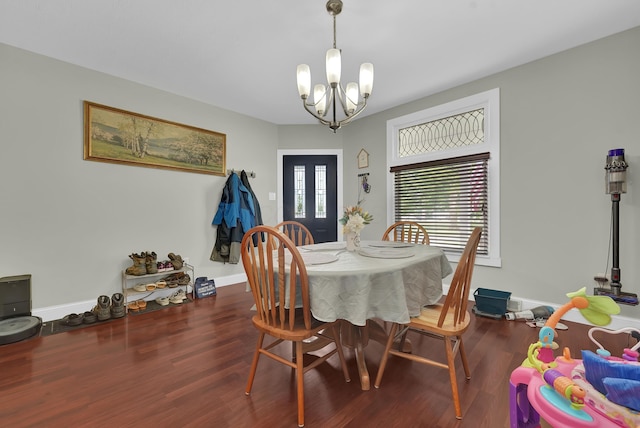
(328, 97)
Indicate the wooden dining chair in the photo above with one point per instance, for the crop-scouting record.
(296, 231)
(446, 321)
(278, 279)
(406, 231)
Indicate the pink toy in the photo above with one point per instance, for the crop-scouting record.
(555, 388)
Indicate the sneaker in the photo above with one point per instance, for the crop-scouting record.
(178, 297)
(163, 301)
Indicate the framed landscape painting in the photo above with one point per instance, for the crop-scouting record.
(119, 136)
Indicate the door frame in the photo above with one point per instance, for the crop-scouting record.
(312, 152)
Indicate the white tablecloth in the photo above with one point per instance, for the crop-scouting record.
(357, 287)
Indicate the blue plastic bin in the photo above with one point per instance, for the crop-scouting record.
(491, 301)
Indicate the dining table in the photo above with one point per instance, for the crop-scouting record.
(380, 281)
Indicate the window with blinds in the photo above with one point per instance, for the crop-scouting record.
(448, 197)
(445, 173)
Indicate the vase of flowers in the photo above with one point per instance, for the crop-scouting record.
(353, 221)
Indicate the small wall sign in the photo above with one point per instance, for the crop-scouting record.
(363, 159)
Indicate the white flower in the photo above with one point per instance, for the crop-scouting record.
(355, 224)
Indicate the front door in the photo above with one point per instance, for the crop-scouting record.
(310, 194)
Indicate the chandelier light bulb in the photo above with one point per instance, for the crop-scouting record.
(304, 80)
(320, 99)
(366, 79)
(352, 97)
(334, 67)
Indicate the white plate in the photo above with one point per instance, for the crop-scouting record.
(386, 253)
(326, 246)
(390, 244)
(312, 258)
(318, 258)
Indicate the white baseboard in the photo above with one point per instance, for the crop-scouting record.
(56, 312)
(50, 313)
(231, 279)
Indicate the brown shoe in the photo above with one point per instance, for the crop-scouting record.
(176, 261)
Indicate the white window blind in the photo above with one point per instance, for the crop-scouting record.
(449, 197)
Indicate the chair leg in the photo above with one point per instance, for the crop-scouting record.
(463, 357)
(403, 339)
(385, 355)
(300, 382)
(343, 361)
(452, 376)
(254, 364)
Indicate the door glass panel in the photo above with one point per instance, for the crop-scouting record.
(321, 191)
(299, 190)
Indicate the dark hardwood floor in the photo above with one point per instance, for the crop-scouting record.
(187, 366)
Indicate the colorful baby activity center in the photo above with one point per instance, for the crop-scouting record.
(598, 390)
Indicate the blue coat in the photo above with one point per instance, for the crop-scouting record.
(236, 205)
(235, 216)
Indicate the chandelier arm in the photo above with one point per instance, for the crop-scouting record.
(311, 112)
(331, 100)
(346, 120)
(333, 103)
(342, 94)
(359, 110)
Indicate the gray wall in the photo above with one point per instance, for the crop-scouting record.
(71, 223)
(559, 117)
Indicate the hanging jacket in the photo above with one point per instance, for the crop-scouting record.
(235, 215)
(258, 212)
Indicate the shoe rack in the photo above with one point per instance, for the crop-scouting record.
(150, 293)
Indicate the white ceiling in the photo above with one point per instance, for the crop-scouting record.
(242, 54)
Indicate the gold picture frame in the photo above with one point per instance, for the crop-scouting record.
(118, 136)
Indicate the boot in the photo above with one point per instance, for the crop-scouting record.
(176, 261)
(138, 267)
(151, 262)
(102, 308)
(117, 305)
